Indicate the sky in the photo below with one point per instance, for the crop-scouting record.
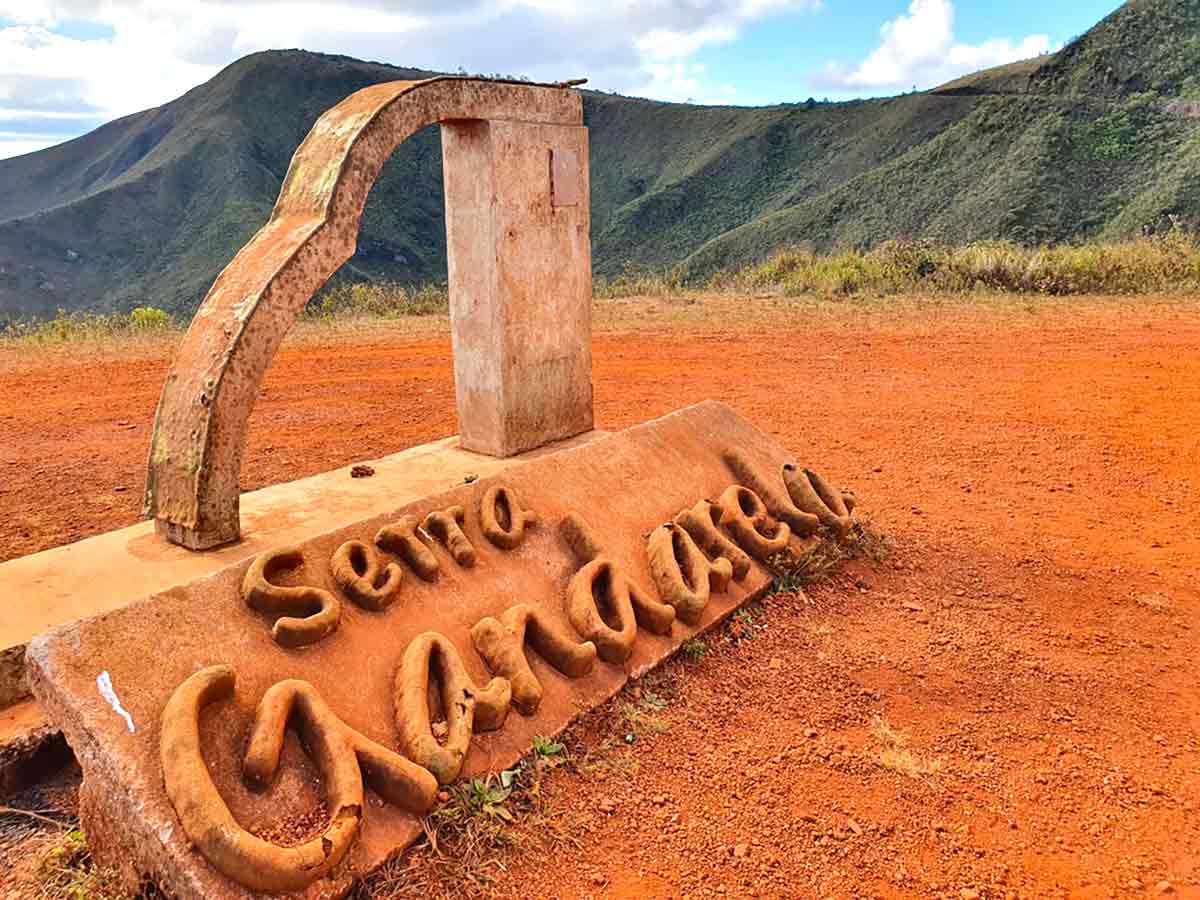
(67, 66)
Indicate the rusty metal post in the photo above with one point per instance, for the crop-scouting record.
(192, 488)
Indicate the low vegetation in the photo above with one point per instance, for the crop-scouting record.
(1146, 265)
(84, 326)
(66, 872)
(1167, 265)
(385, 300)
(895, 755)
(473, 824)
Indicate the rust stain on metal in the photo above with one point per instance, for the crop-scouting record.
(199, 432)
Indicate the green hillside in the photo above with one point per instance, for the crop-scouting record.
(1097, 141)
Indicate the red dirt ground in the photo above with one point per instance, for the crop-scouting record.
(1033, 632)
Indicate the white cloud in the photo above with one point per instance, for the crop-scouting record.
(150, 51)
(919, 49)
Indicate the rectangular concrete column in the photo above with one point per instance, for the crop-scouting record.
(520, 270)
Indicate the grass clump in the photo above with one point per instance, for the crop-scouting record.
(819, 559)
(66, 872)
(467, 833)
(896, 756)
(694, 649)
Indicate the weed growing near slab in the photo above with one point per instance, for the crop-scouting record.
(545, 748)
(694, 649)
(744, 624)
(66, 872)
(819, 559)
(472, 825)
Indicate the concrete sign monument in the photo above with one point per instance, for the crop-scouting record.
(301, 699)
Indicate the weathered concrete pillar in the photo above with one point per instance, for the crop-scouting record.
(520, 273)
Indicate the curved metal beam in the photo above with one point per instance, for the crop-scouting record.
(199, 430)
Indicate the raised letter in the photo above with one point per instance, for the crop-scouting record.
(340, 753)
(599, 594)
(802, 519)
(322, 610)
(684, 576)
(356, 569)
(501, 518)
(401, 538)
(444, 526)
(811, 492)
(466, 706)
(701, 523)
(744, 516)
(501, 642)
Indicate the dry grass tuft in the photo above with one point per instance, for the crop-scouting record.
(1156, 601)
(66, 872)
(895, 755)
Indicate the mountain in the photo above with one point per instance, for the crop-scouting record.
(1097, 140)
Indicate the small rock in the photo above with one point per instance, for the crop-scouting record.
(968, 894)
(741, 851)
(810, 732)
(776, 663)
(361, 471)
(1164, 887)
(606, 805)
(443, 796)
(120, 489)
(440, 730)
(912, 607)
(854, 826)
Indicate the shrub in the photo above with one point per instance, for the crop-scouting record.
(385, 300)
(149, 318)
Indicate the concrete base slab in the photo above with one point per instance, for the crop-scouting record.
(106, 681)
(105, 572)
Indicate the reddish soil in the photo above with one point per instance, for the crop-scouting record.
(1033, 633)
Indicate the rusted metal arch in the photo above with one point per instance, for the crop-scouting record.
(192, 488)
